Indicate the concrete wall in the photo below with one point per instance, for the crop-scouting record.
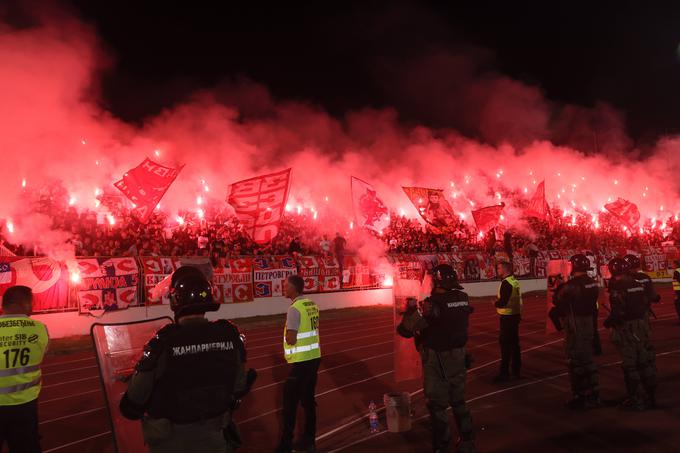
(71, 323)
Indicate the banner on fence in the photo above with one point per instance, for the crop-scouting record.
(233, 281)
(47, 278)
(356, 273)
(155, 269)
(107, 283)
(320, 273)
(270, 274)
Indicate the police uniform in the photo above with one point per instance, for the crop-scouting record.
(574, 304)
(305, 358)
(190, 375)
(23, 343)
(631, 336)
(442, 331)
(509, 308)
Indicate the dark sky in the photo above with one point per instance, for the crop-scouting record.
(623, 53)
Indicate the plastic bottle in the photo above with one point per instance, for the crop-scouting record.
(373, 423)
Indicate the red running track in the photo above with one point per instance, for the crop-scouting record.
(356, 368)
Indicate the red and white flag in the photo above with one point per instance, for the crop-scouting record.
(259, 203)
(145, 186)
(369, 210)
(431, 205)
(488, 217)
(538, 207)
(627, 212)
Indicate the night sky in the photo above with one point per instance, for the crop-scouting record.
(335, 54)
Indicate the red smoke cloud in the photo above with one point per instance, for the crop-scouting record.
(52, 128)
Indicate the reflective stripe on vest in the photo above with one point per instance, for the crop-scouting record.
(514, 306)
(23, 342)
(676, 284)
(307, 345)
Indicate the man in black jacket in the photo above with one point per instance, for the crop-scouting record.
(442, 330)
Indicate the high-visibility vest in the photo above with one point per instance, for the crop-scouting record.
(514, 306)
(23, 342)
(307, 345)
(676, 284)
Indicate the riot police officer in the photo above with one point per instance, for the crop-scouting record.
(575, 302)
(187, 382)
(442, 330)
(631, 336)
(634, 268)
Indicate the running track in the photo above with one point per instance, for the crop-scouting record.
(356, 368)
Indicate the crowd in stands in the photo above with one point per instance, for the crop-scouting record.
(215, 232)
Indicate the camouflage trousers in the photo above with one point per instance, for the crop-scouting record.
(444, 387)
(638, 359)
(579, 333)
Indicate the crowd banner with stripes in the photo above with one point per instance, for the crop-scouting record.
(154, 270)
(107, 283)
(48, 278)
(233, 280)
(270, 274)
(320, 273)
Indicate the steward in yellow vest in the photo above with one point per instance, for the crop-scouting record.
(302, 349)
(23, 342)
(509, 307)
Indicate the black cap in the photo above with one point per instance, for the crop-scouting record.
(445, 276)
(617, 266)
(192, 294)
(580, 263)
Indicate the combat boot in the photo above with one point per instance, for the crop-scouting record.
(633, 402)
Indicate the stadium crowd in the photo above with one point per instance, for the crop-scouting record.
(215, 232)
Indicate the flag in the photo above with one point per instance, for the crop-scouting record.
(431, 205)
(145, 185)
(627, 212)
(538, 207)
(259, 203)
(488, 217)
(369, 210)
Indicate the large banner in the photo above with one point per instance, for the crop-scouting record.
(233, 281)
(107, 283)
(369, 210)
(320, 273)
(145, 185)
(356, 273)
(431, 205)
(627, 212)
(155, 269)
(259, 204)
(270, 274)
(48, 278)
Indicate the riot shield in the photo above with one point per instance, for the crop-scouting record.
(407, 365)
(558, 272)
(118, 348)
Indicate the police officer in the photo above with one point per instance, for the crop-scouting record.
(509, 308)
(442, 331)
(676, 286)
(187, 382)
(301, 349)
(23, 342)
(631, 336)
(634, 268)
(575, 302)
